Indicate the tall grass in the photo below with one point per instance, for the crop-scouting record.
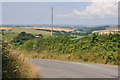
(84, 57)
(15, 65)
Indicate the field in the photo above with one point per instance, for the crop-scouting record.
(8, 36)
(14, 31)
(77, 37)
(5, 28)
(28, 30)
(32, 30)
(56, 29)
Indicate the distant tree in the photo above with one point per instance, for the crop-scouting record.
(22, 37)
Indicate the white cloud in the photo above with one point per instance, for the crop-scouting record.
(65, 15)
(95, 10)
(99, 10)
(62, 15)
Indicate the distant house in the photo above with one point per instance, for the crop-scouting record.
(112, 30)
(38, 36)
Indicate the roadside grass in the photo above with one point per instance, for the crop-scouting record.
(45, 55)
(85, 57)
(15, 65)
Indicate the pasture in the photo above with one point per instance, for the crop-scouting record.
(28, 30)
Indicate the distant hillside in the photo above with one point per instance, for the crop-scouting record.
(90, 26)
(90, 29)
(108, 30)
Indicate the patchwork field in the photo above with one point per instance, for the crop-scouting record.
(28, 30)
(33, 30)
(5, 28)
(10, 34)
(56, 29)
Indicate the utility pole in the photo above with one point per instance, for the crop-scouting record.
(51, 21)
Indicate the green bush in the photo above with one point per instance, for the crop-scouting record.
(22, 37)
(102, 47)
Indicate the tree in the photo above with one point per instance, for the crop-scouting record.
(22, 37)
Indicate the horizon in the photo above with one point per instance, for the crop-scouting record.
(63, 24)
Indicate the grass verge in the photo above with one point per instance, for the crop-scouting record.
(15, 65)
(87, 58)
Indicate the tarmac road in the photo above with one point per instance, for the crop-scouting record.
(64, 69)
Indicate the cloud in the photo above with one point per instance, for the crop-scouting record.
(95, 10)
(62, 15)
(98, 10)
(69, 15)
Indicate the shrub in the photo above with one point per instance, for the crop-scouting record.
(22, 37)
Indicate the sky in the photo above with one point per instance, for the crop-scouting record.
(83, 13)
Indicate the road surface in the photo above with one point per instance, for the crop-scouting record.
(65, 69)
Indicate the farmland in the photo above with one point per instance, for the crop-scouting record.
(14, 31)
(56, 29)
(9, 35)
(28, 30)
(33, 30)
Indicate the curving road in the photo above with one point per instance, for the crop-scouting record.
(64, 69)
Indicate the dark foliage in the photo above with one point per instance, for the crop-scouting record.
(22, 37)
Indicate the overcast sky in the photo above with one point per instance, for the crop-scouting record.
(84, 13)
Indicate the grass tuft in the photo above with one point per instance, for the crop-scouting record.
(15, 65)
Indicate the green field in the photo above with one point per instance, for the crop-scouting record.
(77, 36)
(9, 35)
(28, 30)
